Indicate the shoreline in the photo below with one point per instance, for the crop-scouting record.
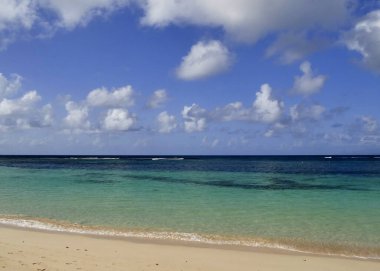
(30, 249)
(163, 238)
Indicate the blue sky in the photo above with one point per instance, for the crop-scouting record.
(189, 77)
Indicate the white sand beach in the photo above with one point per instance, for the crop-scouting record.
(23, 249)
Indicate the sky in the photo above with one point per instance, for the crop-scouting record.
(196, 77)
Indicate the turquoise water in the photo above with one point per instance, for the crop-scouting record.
(304, 203)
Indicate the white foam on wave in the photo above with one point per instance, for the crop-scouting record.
(179, 236)
(171, 158)
(93, 158)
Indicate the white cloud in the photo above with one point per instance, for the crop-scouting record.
(369, 124)
(365, 39)
(194, 118)
(47, 115)
(336, 137)
(242, 20)
(210, 143)
(79, 12)
(19, 106)
(166, 122)
(266, 108)
(312, 112)
(9, 86)
(102, 111)
(370, 139)
(158, 98)
(307, 83)
(43, 17)
(302, 119)
(247, 20)
(101, 97)
(118, 119)
(17, 13)
(141, 143)
(232, 111)
(77, 116)
(214, 143)
(269, 133)
(22, 112)
(205, 58)
(290, 47)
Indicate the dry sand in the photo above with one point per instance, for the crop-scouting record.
(22, 249)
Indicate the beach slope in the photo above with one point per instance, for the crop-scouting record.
(22, 249)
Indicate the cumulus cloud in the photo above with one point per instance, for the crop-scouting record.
(364, 38)
(210, 143)
(269, 133)
(79, 12)
(101, 97)
(21, 105)
(205, 58)
(370, 140)
(47, 115)
(118, 119)
(43, 17)
(296, 120)
(363, 130)
(195, 118)
(313, 112)
(336, 137)
(103, 110)
(232, 111)
(23, 112)
(265, 107)
(301, 119)
(308, 83)
(158, 98)
(17, 13)
(242, 20)
(9, 86)
(246, 20)
(290, 47)
(166, 123)
(77, 116)
(369, 124)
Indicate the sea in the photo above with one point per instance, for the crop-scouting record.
(326, 205)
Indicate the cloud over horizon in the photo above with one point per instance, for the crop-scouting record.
(166, 123)
(118, 119)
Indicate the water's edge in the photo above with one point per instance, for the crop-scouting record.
(49, 225)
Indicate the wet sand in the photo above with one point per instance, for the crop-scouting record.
(23, 249)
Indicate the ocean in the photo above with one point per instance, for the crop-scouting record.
(316, 204)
